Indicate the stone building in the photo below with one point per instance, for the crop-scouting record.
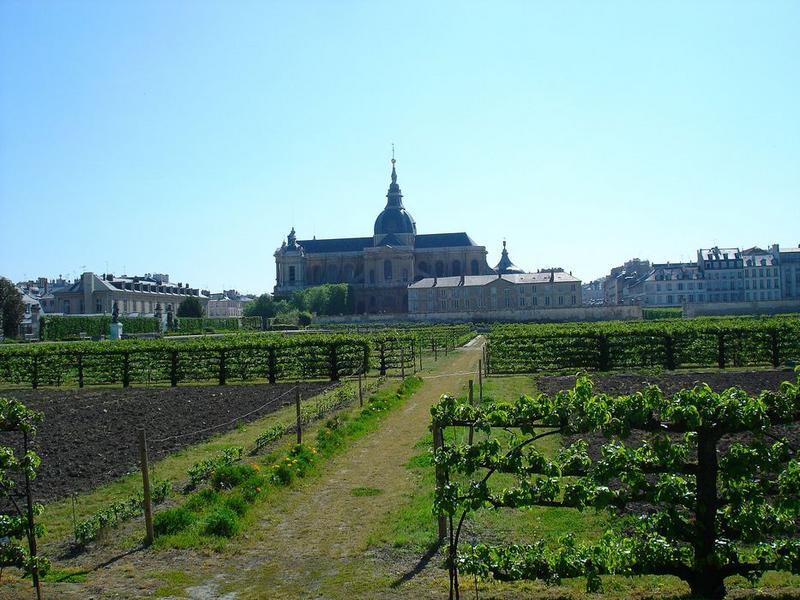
(762, 277)
(380, 267)
(480, 295)
(790, 272)
(134, 295)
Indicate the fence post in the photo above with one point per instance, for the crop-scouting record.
(80, 370)
(402, 363)
(471, 403)
(438, 442)
(126, 369)
(173, 368)
(30, 524)
(222, 367)
(435, 355)
(272, 365)
(35, 374)
(420, 355)
(334, 363)
(297, 410)
(148, 500)
(382, 349)
(414, 355)
(446, 339)
(480, 381)
(776, 359)
(721, 349)
(360, 392)
(669, 350)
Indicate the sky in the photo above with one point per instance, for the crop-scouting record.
(189, 137)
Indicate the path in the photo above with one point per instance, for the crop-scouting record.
(312, 541)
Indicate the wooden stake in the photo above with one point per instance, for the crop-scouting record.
(438, 442)
(471, 403)
(31, 527)
(297, 410)
(148, 500)
(480, 381)
(360, 392)
(402, 363)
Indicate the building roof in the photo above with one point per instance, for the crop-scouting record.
(394, 218)
(719, 253)
(430, 240)
(481, 280)
(505, 265)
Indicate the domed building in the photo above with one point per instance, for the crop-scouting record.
(379, 268)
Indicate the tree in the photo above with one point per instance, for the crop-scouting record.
(12, 309)
(263, 306)
(707, 510)
(18, 471)
(190, 307)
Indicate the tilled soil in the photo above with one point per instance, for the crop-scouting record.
(89, 436)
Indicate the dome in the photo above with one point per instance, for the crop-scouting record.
(394, 218)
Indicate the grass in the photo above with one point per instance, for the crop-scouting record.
(411, 528)
(366, 491)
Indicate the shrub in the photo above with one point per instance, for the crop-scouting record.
(206, 468)
(202, 499)
(229, 476)
(172, 520)
(237, 504)
(222, 522)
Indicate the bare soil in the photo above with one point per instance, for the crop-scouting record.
(89, 436)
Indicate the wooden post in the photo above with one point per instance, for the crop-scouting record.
(471, 403)
(148, 500)
(297, 410)
(438, 442)
(31, 527)
(126, 369)
(173, 368)
(420, 355)
(480, 381)
(435, 355)
(402, 363)
(360, 392)
(35, 374)
(80, 370)
(222, 367)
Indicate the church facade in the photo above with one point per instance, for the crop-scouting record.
(381, 267)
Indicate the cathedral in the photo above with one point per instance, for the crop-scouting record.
(380, 267)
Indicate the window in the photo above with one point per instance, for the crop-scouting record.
(372, 275)
(456, 267)
(574, 300)
(547, 300)
(474, 267)
(507, 297)
(98, 306)
(405, 275)
(560, 300)
(292, 274)
(422, 269)
(387, 270)
(439, 268)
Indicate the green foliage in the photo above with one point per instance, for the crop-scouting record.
(117, 513)
(55, 328)
(263, 306)
(671, 344)
(226, 477)
(242, 357)
(12, 309)
(172, 520)
(17, 526)
(327, 299)
(706, 511)
(192, 325)
(223, 523)
(650, 314)
(208, 467)
(304, 318)
(190, 307)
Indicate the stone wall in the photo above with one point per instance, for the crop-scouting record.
(710, 309)
(554, 315)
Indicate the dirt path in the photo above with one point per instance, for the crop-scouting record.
(312, 542)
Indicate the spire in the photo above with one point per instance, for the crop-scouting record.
(505, 266)
(394, 196)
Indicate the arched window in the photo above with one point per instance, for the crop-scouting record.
(439, 268)
(315, 274)
(372, 276)
(333, 274)
(387, 270)
(348, 273)
(422, 269)
(474, 267)
(456, 267)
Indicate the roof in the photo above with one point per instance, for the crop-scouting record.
(336, 245)
(429, 240)
(719, 253)
(481, 280)
(443, 240)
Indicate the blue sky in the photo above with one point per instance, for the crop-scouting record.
(188, 137)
